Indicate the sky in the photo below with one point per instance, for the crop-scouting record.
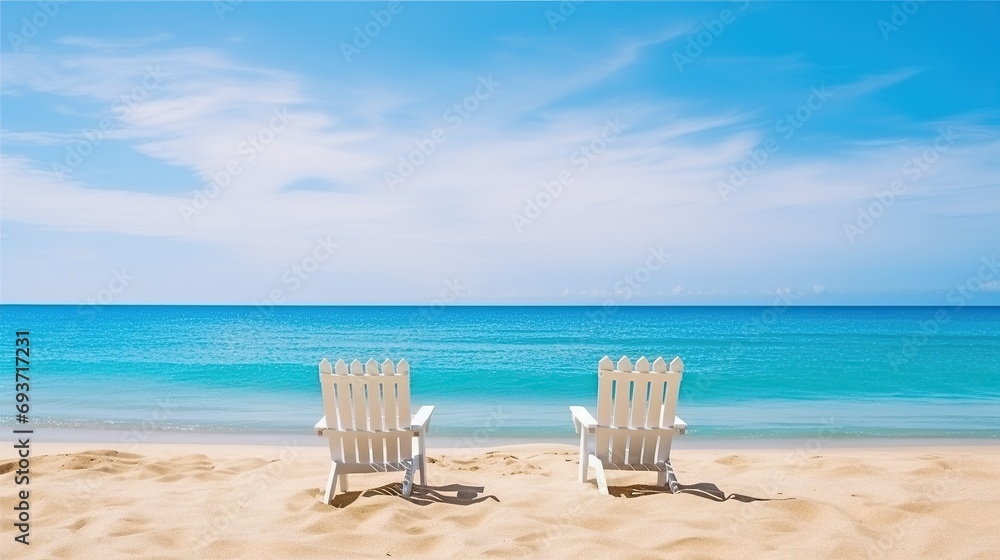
(487, 153)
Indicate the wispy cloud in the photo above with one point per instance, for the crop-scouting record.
(874, 82)
(95, 43)
(323, 170)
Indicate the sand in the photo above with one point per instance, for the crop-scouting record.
(231, 501)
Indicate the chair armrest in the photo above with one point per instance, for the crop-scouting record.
(680, 425)
(582, 418)
(422, 419)
(320, 426)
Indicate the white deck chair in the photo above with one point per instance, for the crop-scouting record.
(635, 422)
(368, 422)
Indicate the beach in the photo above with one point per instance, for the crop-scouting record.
(778, 499)
(744, 246)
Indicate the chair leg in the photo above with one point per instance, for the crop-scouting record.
(661, 478)
(423, 459)
(408, 478)
(343, 482)
(672, 479)
(584, 456)
(602, 481)
(331, 485)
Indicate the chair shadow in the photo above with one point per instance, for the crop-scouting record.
(706, 490)
(454, 494)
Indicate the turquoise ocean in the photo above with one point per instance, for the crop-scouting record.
(511, 372)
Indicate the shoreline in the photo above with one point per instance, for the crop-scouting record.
(123, 438)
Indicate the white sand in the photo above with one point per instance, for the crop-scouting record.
(230, 501)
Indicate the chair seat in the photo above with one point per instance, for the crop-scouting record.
(353, 468)
(638, 467)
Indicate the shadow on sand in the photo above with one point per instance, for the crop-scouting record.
(455, 494)
(705, 490)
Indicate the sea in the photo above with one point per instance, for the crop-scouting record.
(498, 373)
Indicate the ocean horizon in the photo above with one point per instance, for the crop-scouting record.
(511, 372)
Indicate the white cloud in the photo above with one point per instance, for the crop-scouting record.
(655, 184)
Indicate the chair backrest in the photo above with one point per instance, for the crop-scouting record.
(639, 397)
(364, 399)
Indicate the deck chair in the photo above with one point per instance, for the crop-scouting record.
(635, 422)
(368, 424)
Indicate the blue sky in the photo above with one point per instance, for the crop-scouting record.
(646, 153)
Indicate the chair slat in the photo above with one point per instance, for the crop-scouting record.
(373, 389)
(403, 395)
(329, 393)
(640, 394)
(618, 441)
(403, 404)
(604, 395)
(386, 385)
(358, 396)
(634, 448)
(392, 447)
(336, 445)
(350, 447)
(663, 448)
(640, 404)
(345, 416)
(378, 447)
(405, 445)
(642, 365)
(621, 418)
(623, 386)
(653, 411)
(659, 366)
(673, 385)
(391, 410)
